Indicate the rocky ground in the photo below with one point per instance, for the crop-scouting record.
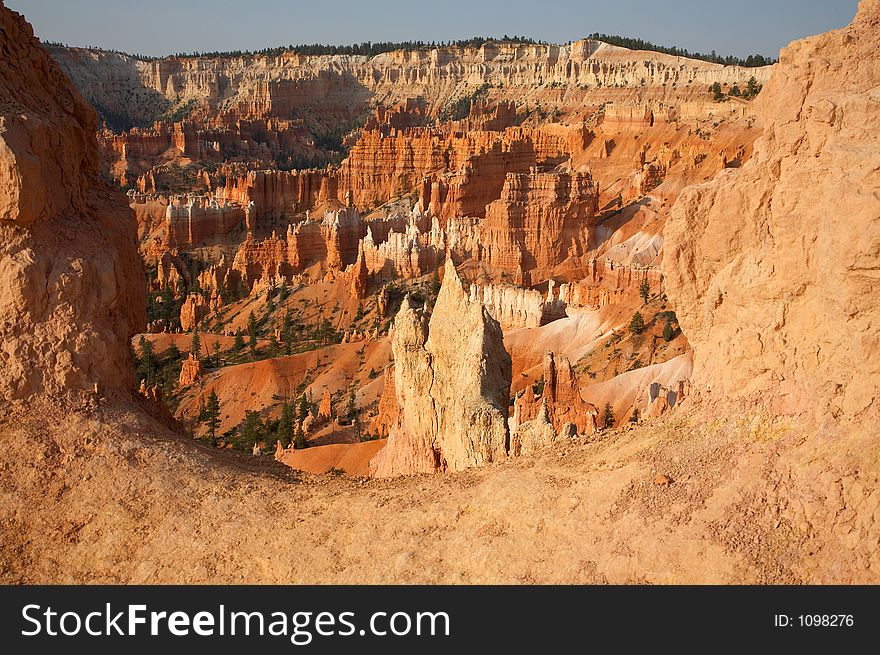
(739, 500)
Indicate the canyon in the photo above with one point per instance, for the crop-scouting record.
(545, 180)
(438, 306)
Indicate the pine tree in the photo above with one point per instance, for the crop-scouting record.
(196, 345)
(358, 428)
(273, 345)
(752, 88)
(147, 364)
(172, 353)
(283, 292)
(227, 295)
(637, 324)
(645, 290)
(238, 345)
(634, 417)
(212, 413)
(352, 408)
(167, 304)
(303, 409)
(715, 89)
(285, 425)
(251, 429)
(608, 416)
(287, 332)
(668, 331)
(326, 333)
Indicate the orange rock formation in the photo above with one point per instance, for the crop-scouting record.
(73, 287)
(773, 267)
(190, 371)
(325, 409)
(560, 399)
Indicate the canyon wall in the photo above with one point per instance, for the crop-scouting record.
(607, 282)
(278, 194)
(773, 267)
(129, 91)
(457, 174)
(454, 173)
(212, 137)
(196, 221)
(526, 182)
(512, 306)
(72, 283)
(539, 221)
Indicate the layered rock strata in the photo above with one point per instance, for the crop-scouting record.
(286, 86)
(607, 282)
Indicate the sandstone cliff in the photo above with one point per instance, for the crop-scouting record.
(452, 379)
(528, 105)
(135, 92)
(773, 268)
(72, 284)
(539, 221)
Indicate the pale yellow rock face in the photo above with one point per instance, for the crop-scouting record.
(774, 269)
(533, 435)
(452, 377)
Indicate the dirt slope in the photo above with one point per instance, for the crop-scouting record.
(752, 500)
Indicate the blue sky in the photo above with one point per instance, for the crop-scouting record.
(158, 27)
